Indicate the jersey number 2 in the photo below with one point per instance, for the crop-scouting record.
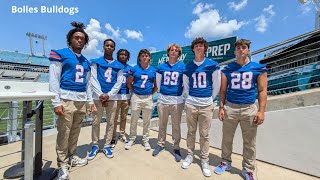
(79, 73)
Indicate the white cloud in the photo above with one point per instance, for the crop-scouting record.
(132, 34)
(97, 37)
(210, 23)
(92, 48)
(242, 4)
(269, 10)
(93, 29)
(201, 7)
(115, 33)
(263, 21)
(262, 24)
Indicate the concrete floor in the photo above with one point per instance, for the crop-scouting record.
(139, 164)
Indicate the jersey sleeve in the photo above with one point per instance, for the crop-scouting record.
(55, 56)
(131, 71)
(260, 68)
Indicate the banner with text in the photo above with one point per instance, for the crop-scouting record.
(219, 51)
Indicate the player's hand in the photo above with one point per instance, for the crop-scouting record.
(259, 118)
(59, 110)
(104, 97)
(221, 114)
(91, 108)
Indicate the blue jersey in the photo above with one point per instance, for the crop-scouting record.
(124, 88)
(74, 69)
(107, 73)
(143, 79)
(171, 82)
(242, 82)
(200, 78)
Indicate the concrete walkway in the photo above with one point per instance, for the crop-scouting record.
(139, 164)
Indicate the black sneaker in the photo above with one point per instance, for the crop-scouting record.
(113, 144)
(177, 155)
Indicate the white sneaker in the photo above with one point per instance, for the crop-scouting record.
(187, 161)
(123, 139)
(205, 168)
(63, 173)
(77, 161)
(129, 144)
(147, 146)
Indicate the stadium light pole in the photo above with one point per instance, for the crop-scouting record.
(316, 4)
(37, 36)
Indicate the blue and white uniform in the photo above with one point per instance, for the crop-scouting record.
(143, 79)
(69, 74)
(106, 78)
(169, 79)
(201, 82)
(124, 92)
(242, 82)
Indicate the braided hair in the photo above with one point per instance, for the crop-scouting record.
(125, 51)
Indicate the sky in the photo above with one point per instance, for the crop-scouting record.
(137, 24)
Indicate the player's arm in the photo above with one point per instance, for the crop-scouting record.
(96, 88)
(90, 93)
(216, 83)
(262, 97)
(185, 80)
(55, 69)
(155, 88)
(115, 89)
(129, 82)
(222, 95)
(158, 79)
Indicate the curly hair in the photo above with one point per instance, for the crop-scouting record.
(199, 40)
(78, 27)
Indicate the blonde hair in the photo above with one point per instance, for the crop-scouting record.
(174, 45)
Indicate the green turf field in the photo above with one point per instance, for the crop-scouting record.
(48, 116)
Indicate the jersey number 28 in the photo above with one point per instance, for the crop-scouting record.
(243, 80)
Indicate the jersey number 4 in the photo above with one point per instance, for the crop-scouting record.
(108, 74)
(243, 80)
